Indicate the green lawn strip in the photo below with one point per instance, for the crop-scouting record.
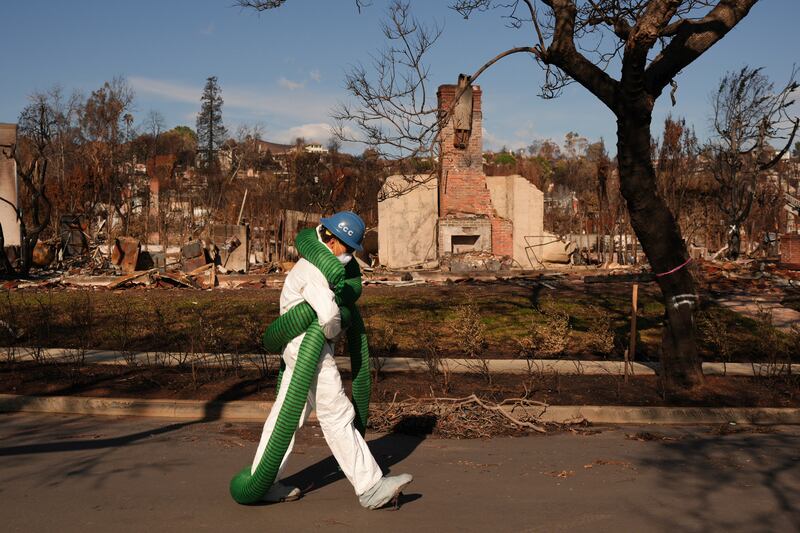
(230, 320)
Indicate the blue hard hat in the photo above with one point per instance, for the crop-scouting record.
(347, 227)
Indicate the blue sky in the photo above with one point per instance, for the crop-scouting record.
(284, 69)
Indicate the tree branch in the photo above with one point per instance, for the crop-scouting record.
(563, 54)
(692, 39)
(264, 5)
(774, 161)
(498, 57)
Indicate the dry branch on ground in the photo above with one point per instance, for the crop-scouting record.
(467, 417)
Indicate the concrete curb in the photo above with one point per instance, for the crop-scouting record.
(601, 414)
(250, 411)
(179, 409)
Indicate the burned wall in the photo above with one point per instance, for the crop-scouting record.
(407, 214)
(517, 200)
(8, 185)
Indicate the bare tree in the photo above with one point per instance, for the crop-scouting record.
(104, 130)
(748, 114)
(677, 164)
(651, 42)
(35, 149)
(682, 181)
(154, 126)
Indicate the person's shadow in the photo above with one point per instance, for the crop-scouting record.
(388, 450)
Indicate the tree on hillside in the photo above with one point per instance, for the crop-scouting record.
(748, 114)
(181, 141)
(649, 42)
(211, 132)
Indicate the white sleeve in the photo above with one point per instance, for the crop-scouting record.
(321, 298)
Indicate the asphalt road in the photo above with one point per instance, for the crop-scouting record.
(69, 473)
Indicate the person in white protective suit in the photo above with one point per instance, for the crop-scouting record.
(342, 233)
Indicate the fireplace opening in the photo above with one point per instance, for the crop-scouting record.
(460, 244)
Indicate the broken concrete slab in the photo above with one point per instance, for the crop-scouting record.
(89, 281)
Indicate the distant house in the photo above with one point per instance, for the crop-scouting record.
(315, 149)
(273, 148)
(279, 155)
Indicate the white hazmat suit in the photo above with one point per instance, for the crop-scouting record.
(335, 412)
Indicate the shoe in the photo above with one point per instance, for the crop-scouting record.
(387, 489)
(279, 492)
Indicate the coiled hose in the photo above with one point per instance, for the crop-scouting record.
(346, 282)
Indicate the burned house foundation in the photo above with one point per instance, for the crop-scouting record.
(460, 215)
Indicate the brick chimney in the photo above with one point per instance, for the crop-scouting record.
(467, 220)
(462, 184)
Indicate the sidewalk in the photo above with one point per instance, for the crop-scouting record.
(783, 318)
(406, 364)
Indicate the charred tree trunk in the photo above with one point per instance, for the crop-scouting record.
(661, 240)
(734, 241)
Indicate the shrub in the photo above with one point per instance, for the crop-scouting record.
(471, 334)
(382, 343)
(714, 333)
(600, 337)
(549, 337)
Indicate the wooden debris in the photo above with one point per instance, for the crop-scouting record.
(200, 270)
(131, 277)
(178, 278)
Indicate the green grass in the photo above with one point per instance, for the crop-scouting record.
(131, 317)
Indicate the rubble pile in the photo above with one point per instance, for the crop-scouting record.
(473, 261)
(748, 274)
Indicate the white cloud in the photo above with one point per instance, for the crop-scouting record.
(278, 109)
(318, 132)
(165, 89)
(315, 75)
(250, 104)
(291, 85)
(495, 143)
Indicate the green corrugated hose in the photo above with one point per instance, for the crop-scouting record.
(346, 282)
